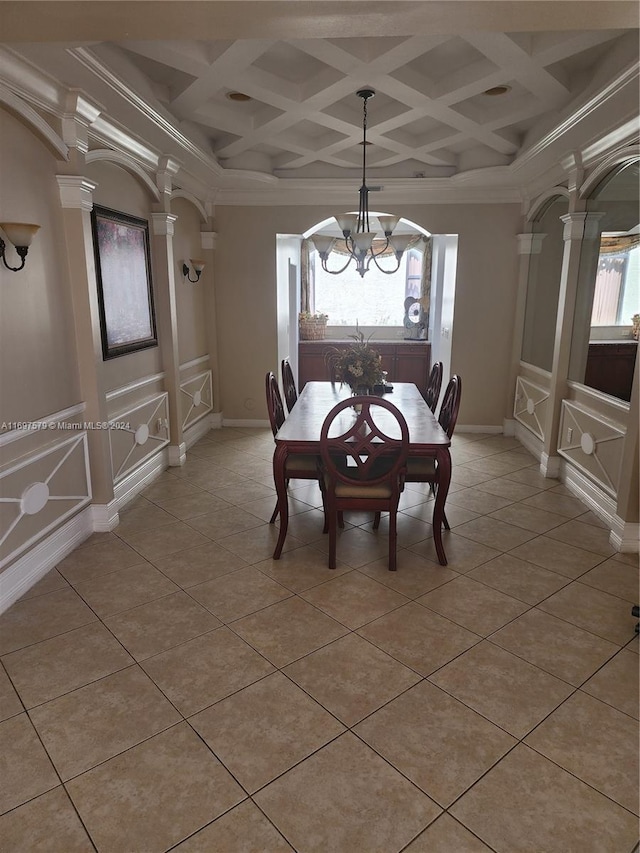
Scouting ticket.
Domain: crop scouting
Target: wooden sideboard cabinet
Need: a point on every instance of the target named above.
(404, 361)
(610, 367)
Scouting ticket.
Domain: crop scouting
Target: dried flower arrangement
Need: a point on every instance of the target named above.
(359, 366)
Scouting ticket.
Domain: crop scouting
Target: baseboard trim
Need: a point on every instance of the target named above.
(625, 536)
(105, 517)
(234, 422)
(131, 485)
(509, 426)
(177, 454)
(550, 465)
(596, 499)
(34, 565)
(194, 433)
(529, 441)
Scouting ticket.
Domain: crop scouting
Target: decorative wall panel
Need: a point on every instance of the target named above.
(40, 491)
(137, 434)
(592, 443)
(530, 406)
(196, 398)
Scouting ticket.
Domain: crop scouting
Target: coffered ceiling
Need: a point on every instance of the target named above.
(298, 67)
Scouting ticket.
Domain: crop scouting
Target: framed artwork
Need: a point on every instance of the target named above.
(123, 272)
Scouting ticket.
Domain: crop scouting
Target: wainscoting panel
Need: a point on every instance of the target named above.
(196, 398)
(138, 433)
(40, 491)
(530, 406)
(592, 443)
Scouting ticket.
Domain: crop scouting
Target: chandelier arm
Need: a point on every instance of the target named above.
(323, 262)
(382, 250)
(386, 272)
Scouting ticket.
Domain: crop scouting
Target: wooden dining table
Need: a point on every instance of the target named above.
(300, 433)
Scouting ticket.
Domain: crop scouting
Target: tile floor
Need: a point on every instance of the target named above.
(171, 687)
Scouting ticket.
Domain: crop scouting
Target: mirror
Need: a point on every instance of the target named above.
(543, 284)
(603, 349)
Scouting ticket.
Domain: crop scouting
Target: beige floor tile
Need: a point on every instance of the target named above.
(98, 539)
(168, 489)
(124, 589)
(216, 477)
(301, 568)
(237, 594)
(37, 619)
(142, 515)
(560, 504)
(258, 543)
(43, 825)
(306, 491)
(160, 625)
(305, 526)
(48, 669)
(590, 517)
(356, 546)
(473, 605)
(518, 578)
(247, 491)
(630, 559)
(188, 506)
(288, 630)
(555, 646)
(557, 556)
(426, 729)
(528, 517)
(351, 677)
(94, 723)
(466, 477)
(51, 582)
(455, 514)
(505, 488)
(372, 807)
(196, 674)
(353, 599)
(617, 683)
(595, 611)
(614, 577)
(496, 466)
(477, 501)
(533, 477)
(587, 536)
(415, 575)
(410, 529)
(10, 703)
(224, 522)
(507, 690)
(446, 835)
(594, 742)
(154, 795)
(263, 730)
(418, 638)
(244, 829)
(95, 560)
(462, 554)
(25, 768)
(528, 803)
(169, 539)
(263, 507)
(198, 565)
(495, 534)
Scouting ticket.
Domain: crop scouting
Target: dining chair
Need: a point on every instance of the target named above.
(298, 466)
(288, 384)
(364, 465)
(423, 469)
(432, 394)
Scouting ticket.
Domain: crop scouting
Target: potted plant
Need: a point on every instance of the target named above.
(359, 366)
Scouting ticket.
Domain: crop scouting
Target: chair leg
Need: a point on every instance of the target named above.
(445, 522)
(332, 538)
(272, 520)
(393, 541)
(376, 521)
(341, 519)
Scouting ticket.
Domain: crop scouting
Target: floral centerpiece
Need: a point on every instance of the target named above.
(359, 366)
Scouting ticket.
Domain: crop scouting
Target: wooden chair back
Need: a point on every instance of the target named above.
(432, 394)
(450, 405)
(274, 403)
(288, 384)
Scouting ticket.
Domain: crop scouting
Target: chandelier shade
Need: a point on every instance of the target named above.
(357, 240)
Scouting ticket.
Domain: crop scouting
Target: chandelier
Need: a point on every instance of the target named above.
(356, 231)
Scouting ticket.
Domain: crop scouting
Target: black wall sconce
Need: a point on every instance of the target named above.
(20, 234)
(197, 266)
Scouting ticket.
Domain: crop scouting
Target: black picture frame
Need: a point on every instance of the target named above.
(123, 275)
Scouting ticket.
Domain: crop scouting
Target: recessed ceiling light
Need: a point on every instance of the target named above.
(238, 96)
(497, 90)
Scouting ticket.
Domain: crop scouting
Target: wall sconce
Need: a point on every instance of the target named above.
(20, 234)
(197, 266)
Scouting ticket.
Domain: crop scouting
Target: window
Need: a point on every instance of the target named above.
(375, 300)
(617, 293)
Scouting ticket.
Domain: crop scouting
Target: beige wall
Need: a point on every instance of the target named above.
(245, 275)
(38, 374)
(190, 298)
